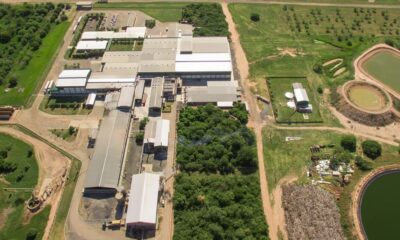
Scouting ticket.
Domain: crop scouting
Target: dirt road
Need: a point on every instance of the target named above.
(51, 164)
(275, 223)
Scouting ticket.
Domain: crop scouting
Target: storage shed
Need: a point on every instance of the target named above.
(126, 98)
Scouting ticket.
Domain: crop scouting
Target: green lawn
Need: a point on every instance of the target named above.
(284, 114)
(164, 12)
(30, 79)
(284, 158)
(64, 106)
(21, 154)
(385, 67)
(65, 134)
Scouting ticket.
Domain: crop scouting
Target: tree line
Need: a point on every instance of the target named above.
(22, 29)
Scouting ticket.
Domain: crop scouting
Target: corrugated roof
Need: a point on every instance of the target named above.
(70, 82)
(156, 93)
(187, 67)
(139, 89)
(107, 85)
(121, 56)
(91, 99)
(204, 57)
(211, 45)
(143, 199)
(186, 44)
(136, 32)
(126, 97)
(74, 73)
(162, 131)
(210, 94)
(105, 166)
(160, 66)
(301, 95)
(92, 45)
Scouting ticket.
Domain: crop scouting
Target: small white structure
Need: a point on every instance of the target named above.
(72, 81)
(143, 201)
(289, 95)
(301, 98)
(131, 33)
(91, 45)
(162, 132)
(91, 99)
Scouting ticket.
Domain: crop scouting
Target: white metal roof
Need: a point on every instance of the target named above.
(301, 95)
(182, 67)
(111, 79)
(91, 99)
(92, 45)
(225, 104)
(70, 82)
(135, 32)
(126, 97)
(74, 73)
(143, 198)
(162, 131)
(204, 57)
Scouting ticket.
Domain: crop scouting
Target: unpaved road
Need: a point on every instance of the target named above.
(51, 164)
(274, 221)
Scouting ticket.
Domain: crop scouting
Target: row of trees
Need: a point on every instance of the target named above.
(208, 19)
(22, 28)
(211, 140)
(212, 200)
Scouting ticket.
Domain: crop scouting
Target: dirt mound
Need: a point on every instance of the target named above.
(311, 213)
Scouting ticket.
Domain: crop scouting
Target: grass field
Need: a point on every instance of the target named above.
(385, 67)
(284, 114)
(64, 106)
(285, 158)
(164, 12)
(21, 154)
(33, 75)
(367, 98)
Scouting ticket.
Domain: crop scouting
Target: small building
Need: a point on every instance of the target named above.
(155, 103)
(169, 89)
(71, 82)
(149, 137)
(84, 5)
(301, 98)
(143, 202)
(126, 98)
(91, 99)
(162, 134)
(87, 46)
(220, 93)
(139, 90)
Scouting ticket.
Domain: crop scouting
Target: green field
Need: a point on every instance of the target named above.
(291, 158)
(367, 98)
(385, 67)
(284, 114)
(33, 75)
(380, 208)
(164, 12)
(25, 176)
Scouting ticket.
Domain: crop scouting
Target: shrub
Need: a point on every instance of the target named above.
(362, 164)
(143, 123)
(372, 149)
(150, 23)
(255, 17)
(139, 138)
(317, 68)
(32, 233)
(349, 143)
(320, 90)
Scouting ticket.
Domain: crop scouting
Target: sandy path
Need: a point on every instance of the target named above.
(274, 221)
(51, 164)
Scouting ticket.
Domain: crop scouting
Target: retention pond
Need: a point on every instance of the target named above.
(380, 207)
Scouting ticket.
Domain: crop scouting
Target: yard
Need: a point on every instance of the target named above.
(126, 45)
(164, 12)
(33, 75)
(68, 135)
(64, 106)
(25, 175)
(278, 86)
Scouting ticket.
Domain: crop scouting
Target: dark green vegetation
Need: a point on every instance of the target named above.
(162, 11)
(208, 19)
(380, 208)
(283, 114)
(211, 140)
(372, 149)
(349, 143)
(23, 174)
(64, 106)
(126, 45)
(29, 37)
(217, 193)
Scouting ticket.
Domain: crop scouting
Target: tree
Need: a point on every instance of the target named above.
(320, 90)
(255, 17)
(362, 164)
(317, 68)
(139, 138)
(349, 143)
(71, 130)
(143, 123)
(13, 82)
(32, 233)
(371, 148)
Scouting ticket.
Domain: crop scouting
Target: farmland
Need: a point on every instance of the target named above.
(217, 193)
(23, 173)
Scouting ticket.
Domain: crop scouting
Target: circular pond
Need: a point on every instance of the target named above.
(367, 97)
(380, 207)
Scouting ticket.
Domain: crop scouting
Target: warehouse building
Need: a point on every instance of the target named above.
(125, 100)
(222, 94)
(71, 82)
(156, 136)
(130, 33)
(143, 202)
(155, 102)
(87, 46)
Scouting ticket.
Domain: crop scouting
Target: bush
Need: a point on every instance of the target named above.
(372, 149)
(320, 90)
(139, 138)
(255, 17)
(150, 23)
(362, 164)
(317, 68)
(143, 123)
(349, 143)
(32, 233)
